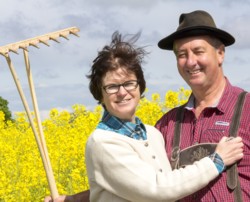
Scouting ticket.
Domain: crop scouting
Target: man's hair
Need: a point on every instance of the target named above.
(216, 43)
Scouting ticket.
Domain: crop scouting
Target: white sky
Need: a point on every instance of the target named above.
(59, 70)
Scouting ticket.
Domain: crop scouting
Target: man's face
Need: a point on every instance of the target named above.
(198, 62)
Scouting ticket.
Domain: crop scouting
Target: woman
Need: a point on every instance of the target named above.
(126, 159)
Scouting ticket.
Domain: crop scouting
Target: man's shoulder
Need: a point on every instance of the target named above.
(236, 91)
(247, 96)
(168, 116)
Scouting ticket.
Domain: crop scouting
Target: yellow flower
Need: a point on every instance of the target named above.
(22, 175)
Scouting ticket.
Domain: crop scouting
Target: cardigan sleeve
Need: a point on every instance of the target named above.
(118, 168)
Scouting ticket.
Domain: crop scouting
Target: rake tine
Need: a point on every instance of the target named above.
(14, 51)
(74, 33)
(34, 45)
(44, 42)
(24, 48)
(64, 36)
(54, 39)
(4, 54)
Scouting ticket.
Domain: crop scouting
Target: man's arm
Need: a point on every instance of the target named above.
(80, 197)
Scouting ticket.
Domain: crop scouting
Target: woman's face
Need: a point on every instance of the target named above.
(123, 103)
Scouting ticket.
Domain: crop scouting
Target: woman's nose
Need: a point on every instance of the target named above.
(122, 91)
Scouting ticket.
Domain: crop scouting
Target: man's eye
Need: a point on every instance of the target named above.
(199, 52)
(181, 55)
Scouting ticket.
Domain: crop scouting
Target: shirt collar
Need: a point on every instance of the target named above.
(219, 104)
(136, 131)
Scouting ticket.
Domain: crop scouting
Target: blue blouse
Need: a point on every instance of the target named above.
(136, 131)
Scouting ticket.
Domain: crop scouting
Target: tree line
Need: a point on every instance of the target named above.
(5, 109)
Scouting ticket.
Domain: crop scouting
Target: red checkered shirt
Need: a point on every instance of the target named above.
(212, 124)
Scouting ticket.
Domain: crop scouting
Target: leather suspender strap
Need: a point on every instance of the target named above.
(176, 140)
(232, 173)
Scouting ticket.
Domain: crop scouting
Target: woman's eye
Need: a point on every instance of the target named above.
(112, 87)
(128, 84)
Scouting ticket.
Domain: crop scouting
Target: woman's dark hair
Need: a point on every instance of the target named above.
(119, 54)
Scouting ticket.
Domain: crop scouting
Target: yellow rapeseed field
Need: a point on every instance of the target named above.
(22, 176)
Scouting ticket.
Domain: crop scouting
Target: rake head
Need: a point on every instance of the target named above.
(13, 47)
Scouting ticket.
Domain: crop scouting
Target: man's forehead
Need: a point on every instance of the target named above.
(194, 40)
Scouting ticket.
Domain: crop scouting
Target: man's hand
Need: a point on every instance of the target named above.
(230, 150)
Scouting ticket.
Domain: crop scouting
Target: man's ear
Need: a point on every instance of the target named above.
(221, 54)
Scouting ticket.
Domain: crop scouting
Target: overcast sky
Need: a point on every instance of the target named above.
(59, 70)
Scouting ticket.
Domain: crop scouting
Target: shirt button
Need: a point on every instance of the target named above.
(153, 157)
(160, 170)
(146, 144)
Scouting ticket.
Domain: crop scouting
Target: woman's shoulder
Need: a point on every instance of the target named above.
(99, 134)
(152, 131)
(151, 128)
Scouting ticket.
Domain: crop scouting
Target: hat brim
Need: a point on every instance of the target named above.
(167, 42)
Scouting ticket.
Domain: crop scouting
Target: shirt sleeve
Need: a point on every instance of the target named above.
(218, 162)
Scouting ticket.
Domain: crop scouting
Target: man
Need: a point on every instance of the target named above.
(199, 47)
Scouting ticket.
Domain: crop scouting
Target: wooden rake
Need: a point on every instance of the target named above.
(38, 132)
